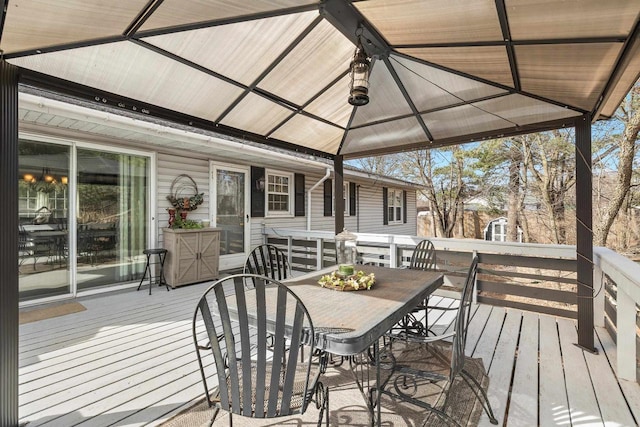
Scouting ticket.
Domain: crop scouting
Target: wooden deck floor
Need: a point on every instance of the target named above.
(129, 360)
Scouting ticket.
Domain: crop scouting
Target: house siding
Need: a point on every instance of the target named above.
(169, 166)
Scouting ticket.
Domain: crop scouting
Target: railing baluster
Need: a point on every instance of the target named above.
(626, 342)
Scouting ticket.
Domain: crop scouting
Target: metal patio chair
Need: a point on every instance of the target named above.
(26, 247)
(268, 260)
(423, 258)
(449, 350)
(232, 327)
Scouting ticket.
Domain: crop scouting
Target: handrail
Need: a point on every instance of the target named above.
(624, 273)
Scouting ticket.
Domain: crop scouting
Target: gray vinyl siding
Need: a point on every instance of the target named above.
(369, 218)
(369, 208)
(169, 167)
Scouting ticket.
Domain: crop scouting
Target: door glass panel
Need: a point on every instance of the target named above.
(230, 214)
(112, 217)
(43, 206)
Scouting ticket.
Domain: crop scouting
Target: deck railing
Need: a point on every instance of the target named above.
(534, 277)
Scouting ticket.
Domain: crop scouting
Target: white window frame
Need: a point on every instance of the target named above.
(289, 211)
(391, 203)
(497, 225)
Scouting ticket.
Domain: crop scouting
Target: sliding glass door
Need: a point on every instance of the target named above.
(43, 209)
(84, 218)
(112, 217)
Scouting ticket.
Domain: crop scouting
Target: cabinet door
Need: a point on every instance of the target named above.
(187, 262)
(209, 250)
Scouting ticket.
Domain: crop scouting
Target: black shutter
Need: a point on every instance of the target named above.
(299, 194)
(352, 198)
(257, 194)
(328, 198)
(404, 206)
(385, 206)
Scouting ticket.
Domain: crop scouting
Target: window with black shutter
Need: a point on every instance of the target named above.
(328, 198)
(299, 194)
(352, 198)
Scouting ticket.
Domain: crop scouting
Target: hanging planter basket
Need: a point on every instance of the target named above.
(184, 194)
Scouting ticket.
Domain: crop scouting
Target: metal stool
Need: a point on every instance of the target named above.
(162, 254)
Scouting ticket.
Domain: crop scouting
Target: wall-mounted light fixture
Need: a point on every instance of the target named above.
(359, 73)
(260, 183)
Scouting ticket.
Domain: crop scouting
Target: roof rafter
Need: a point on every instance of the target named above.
(226, 21)
(633, 42)
(490, 83)
(432, 110)
(506, 36)
(578, 40)
(142, 17)
(306, 104)
(407, 98)
(480, 136)
(147, 111)
(274, 64)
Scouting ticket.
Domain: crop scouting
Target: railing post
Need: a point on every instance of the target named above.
(626, 339)
(598, 304)
(9, 244)
(393, 255)
(319, 253)
(584, 233)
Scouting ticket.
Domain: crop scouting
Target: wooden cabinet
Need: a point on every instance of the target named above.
(193, 255)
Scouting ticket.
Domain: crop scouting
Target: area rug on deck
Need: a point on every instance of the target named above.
(347, 407)
(28, 316)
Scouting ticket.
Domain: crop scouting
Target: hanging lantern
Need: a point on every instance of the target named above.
(359, 87)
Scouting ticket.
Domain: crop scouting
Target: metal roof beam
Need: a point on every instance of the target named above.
(142, 17)
(306, 104)
(225, 21)
(489, 82)
(274, 64)
(626, 55)
(506, 36)
(579, 40)
(432, 110)
(408, 99)
(100, 97)
(480, 136)
(344, 17)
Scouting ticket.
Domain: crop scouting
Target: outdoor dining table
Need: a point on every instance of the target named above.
(352, 323)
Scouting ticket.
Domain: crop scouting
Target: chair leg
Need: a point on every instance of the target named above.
(215, 415)
(144, 274)
(322, 403)
(477, 389)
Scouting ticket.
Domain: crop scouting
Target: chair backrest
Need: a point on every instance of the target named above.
(257, 337)
(463, 318)
(269, 261)
(423, 257)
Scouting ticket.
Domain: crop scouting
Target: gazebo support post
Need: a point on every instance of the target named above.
(338, 204)
(584, 238)
(9, 245)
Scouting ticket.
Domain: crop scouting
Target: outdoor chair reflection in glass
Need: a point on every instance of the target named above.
(256, 377)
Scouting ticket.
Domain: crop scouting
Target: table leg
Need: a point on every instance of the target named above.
(371, 388)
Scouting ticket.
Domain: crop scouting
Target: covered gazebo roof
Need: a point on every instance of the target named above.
(277, 71)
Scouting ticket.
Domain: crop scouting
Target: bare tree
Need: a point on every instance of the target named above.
(552, 167)
(629, 115)
(444, 183)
